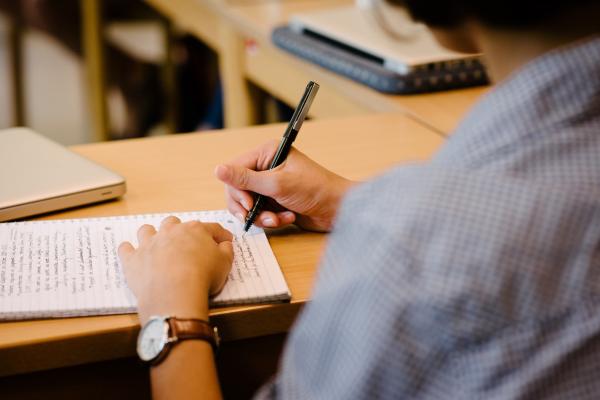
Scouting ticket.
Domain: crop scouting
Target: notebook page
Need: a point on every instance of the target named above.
(70, 267)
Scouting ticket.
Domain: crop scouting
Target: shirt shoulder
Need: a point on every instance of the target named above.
(484, 233)
(434, 272)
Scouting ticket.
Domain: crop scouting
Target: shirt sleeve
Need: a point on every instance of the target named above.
(367, 333)
(437, 285)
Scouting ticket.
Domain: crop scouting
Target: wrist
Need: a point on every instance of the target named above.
(160, 335)
(196, 310)
(340, 190)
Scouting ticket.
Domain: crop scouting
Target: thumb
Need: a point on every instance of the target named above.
(245, 179)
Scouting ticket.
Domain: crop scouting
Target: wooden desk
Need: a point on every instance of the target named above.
(175, 173)
(246, 52)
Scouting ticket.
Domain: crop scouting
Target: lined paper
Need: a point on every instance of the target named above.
(68, 268)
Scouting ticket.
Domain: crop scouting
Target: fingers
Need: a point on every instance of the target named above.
(270, 219)
(246, 179)
(286, 218)
(125, 251)
(267, 219)
(238, 211)
(145, 233)
(169, 221)
(236, 208)
(242, 197)
(218, 233)
(241, 177)
(278, 218)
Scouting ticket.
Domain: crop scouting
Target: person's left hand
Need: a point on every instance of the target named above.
(174, 270)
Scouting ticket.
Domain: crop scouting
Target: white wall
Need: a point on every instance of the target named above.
(56, 102)
(54, 98)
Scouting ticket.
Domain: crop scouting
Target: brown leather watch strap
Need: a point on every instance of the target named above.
(184, 329)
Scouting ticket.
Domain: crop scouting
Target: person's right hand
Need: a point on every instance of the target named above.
(301, 191)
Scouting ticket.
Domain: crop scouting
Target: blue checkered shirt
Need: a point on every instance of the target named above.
(476, 275)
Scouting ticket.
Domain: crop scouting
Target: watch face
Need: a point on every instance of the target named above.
(153, 338)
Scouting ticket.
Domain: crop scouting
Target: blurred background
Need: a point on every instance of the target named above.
(83, 71)
(59, 78)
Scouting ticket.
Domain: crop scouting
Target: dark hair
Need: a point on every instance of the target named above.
(499, 13)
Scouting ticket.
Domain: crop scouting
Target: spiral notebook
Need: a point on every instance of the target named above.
(67, 268)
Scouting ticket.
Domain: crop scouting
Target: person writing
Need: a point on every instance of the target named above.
(475, 275)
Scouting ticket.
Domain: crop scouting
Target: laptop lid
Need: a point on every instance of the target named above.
(38, 175)
(359, 29)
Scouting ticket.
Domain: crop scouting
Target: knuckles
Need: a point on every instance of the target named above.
(196, 225)
(145, 227)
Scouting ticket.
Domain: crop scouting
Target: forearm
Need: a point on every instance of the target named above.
(189, 371)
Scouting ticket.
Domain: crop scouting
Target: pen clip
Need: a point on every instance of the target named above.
(309, 95)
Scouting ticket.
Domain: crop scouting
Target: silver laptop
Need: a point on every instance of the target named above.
(38, 175)
(361, 31)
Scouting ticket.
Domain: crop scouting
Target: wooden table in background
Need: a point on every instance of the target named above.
(205, 19)
(240, 32)
(175, 173)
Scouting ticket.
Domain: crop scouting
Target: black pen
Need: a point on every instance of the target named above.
(286, 143)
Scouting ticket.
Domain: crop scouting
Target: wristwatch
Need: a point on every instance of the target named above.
(160, 333)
